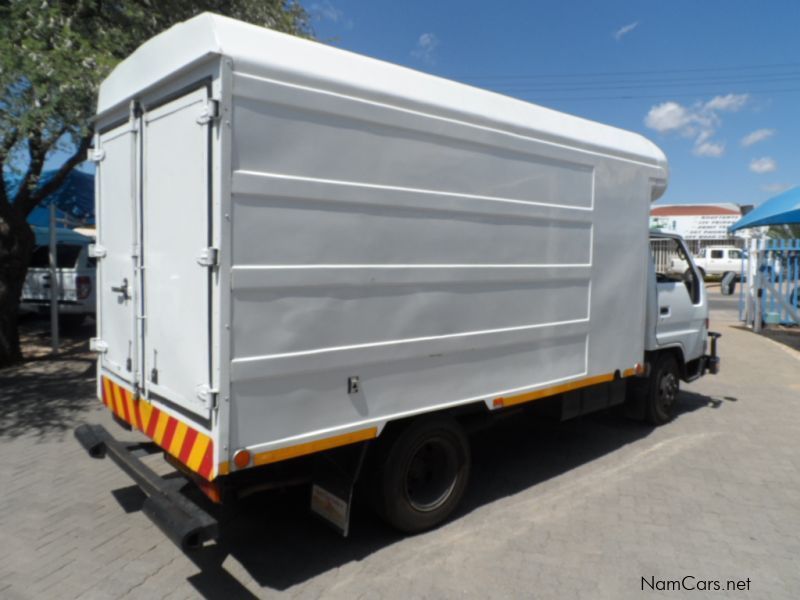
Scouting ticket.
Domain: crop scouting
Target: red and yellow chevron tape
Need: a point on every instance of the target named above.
(191, 447)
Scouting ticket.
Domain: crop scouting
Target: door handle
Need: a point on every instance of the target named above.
(121, 289)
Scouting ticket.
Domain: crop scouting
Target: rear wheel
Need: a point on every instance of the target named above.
(424, 475)
(662, 392)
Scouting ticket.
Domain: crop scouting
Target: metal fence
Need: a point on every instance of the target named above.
(696, 245)
(663, 252)
(771, 283)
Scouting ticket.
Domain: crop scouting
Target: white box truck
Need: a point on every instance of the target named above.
(315, 266)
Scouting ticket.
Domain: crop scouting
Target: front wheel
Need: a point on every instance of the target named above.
(424, 475)
(663, 388)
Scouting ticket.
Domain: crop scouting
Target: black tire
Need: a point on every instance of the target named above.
(423, 475)
(662, 390)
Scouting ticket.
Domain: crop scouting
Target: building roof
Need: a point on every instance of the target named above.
(261, 52)
(685, 210)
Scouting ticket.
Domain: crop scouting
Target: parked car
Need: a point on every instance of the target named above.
(76, 277)
(713, 260)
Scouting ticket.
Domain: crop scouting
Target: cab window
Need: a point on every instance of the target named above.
(716, 254)
(673, 265)
(735, 254)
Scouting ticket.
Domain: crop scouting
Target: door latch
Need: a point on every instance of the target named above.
(353, 385)
(122, 289)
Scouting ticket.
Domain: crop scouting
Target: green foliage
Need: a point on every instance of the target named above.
(784, 232)
(54, 54)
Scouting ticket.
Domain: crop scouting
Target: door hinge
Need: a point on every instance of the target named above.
(208, 257)
(209, 113)
(97, 251)
(96, 154)
(207, 395)
(98, 345)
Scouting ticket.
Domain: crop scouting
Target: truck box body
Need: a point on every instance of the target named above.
(306, 244)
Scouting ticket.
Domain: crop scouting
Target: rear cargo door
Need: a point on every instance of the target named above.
(176, 334)
(116, 225)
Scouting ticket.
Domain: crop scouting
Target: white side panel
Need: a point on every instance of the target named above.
(175, 232)
(438, 262)
(115, 179)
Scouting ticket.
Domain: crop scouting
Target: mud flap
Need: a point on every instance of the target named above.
(333, 482)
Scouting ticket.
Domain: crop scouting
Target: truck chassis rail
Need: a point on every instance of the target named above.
(183, 521)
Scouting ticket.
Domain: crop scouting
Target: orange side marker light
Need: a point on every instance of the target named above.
(241, 458)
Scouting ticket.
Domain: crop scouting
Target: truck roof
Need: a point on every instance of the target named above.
(263, 52)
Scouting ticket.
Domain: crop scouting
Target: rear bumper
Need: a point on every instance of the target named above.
(183, 521)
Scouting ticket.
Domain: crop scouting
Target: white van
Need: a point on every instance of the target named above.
(315, 266)
(75, 274)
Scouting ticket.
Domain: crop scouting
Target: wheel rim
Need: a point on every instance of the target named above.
(431, 474)
(667, 392)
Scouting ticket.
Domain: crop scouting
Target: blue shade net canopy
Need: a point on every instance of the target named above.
(783, 209)
(74, 199)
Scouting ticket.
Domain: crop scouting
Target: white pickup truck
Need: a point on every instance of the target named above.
(75, 274)
(712, 260)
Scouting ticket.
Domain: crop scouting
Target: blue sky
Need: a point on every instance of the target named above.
(716, 84)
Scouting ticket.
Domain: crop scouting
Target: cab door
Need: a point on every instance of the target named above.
(681, 306)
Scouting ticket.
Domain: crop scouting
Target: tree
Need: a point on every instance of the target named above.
(784, 232)
(53, 56)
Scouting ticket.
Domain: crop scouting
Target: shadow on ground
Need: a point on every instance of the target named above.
(280, 544)
(47, 394)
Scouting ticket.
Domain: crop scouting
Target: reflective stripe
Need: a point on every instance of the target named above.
(271, 456)
(191, 447)
(558, 389)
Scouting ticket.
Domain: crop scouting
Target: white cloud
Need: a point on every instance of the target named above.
(704, 136)
(712, 149)
(699, 121)
(625, 29)
(425, 49)
(777, 188)
(730, 103)
(326, 11)
(763, 165)
(759, 135)
(668, 116)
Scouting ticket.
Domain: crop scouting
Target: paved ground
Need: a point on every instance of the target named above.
(583, 510)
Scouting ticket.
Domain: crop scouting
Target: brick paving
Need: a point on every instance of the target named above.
(582, 510)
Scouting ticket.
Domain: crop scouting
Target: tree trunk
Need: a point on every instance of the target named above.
(16, 245)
